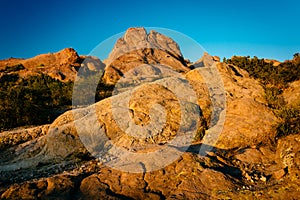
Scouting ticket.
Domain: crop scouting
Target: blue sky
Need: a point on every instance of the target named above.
(269, 29)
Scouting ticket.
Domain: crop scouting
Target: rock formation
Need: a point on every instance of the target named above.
(91, 152)
(137, 48)
(62, 65)
(244, 96)
(292, 94)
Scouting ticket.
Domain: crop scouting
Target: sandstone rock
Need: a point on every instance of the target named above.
(91, 64)
(138, 120)
(292, 94)
(279, 174)
(22, 191)
(216, 58)
(92, 188)
(275, 62)
(137, 48)
(119, 131)
(200, 87)
(57, 187)
(189, 179)
(244, 125)
(288, 152)
(50, 148)
(183, 178)
(259, 156)
(250, 155)
(62, 65)
(15, 137)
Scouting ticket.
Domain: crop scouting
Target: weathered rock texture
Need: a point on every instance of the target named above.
(62, 65)
(292, 94)
(55, 162)
(137, 48)
(248, 119)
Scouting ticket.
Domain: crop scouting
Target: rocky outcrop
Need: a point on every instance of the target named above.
(137, 48)
(15, 137)
(248, 120)
(292, 94)
(152, 138)
(288, 152)
(184, 179)
(62, 65)
(95, 129)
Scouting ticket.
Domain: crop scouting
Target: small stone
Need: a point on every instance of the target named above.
(263, 178)
(221, 159)
(279, 174)
(248, 177)
(210, 153)
(216, 58)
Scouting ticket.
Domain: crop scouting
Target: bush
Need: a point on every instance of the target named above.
(290, 121)
(34, 100)
(39, 99)
(273, 97)
(266, 72)
(14, 68)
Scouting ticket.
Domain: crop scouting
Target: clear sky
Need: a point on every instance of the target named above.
(269, 29)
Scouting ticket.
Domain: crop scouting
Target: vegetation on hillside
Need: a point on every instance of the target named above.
(87, 92)
(32, 100)
(274, 80)
(266, 72)
(39, 99)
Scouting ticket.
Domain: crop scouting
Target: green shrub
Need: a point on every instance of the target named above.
(39, 99)
(266, 72)
(290, 121)
(14, 68)
(273, 97)
(32, 101)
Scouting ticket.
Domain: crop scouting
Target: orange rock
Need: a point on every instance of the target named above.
(279, 174)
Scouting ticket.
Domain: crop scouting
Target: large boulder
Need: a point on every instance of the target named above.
(19, 136)
(248, 119)
(292, 94)
(137, 48)
(288, 152)
(183, 179)
(141, 119)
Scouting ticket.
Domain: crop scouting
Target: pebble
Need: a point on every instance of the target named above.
(263, 178)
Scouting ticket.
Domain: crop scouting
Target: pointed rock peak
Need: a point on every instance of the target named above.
(137, 48)
(135, 35)
(68, 51)
(139, 39)
(205, 61)
(207, 56)
(165, 43)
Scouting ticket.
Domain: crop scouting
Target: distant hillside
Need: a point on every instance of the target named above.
(37, 90)
(62, 65)
(269, 71)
